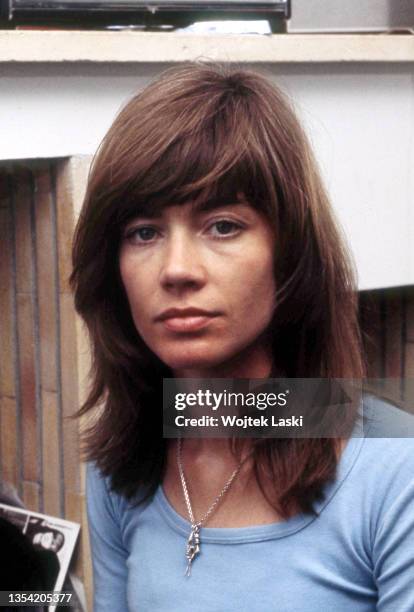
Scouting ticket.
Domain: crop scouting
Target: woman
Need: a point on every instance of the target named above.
(206, 247)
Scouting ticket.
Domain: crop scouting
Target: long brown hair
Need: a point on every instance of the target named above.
(206, 133)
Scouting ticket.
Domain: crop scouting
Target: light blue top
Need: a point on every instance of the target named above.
(356, 556)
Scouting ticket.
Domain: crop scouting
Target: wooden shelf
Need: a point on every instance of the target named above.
(142, 47)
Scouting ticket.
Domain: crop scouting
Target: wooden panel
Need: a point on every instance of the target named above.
(393, 333)
(7, 370)
(70, 187)
(410, 313)
(23, 230)
(25, 322)
(409, 348)
(9, 437)
(31, 495)
(370, 317)
(4, 189)
(51, 453)
(85, 544)
(9, 441)
(409, 360)
(73, 506)
(409, 376)
(27, 386)
(46, 280)
(70, 402)
(43, 264)
(65, 225)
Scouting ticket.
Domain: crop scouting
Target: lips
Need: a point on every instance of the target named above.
(186, 319)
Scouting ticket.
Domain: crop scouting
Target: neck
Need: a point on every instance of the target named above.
(253, 362)
(214, 452)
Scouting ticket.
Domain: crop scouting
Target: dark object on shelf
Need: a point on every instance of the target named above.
(100, 13)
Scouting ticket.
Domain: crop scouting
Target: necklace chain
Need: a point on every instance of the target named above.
(193, 543)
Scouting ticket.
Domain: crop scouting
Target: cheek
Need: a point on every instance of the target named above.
(257, 289)
(137, 289)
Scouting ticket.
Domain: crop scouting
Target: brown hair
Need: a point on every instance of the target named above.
(205, 133)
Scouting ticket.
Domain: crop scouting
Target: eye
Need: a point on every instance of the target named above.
(138, 235)
(224, 227)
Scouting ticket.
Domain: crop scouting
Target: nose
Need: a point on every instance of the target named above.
(182, 266)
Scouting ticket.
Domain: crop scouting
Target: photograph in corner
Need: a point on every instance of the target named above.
(53, 539)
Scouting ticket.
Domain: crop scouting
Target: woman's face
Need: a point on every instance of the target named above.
(199, 283)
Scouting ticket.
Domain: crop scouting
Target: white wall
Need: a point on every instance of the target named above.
(359, 117)
(350, 15)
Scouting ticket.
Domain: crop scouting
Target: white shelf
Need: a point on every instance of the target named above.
(139, 47)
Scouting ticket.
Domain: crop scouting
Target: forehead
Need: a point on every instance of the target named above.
(190, 208)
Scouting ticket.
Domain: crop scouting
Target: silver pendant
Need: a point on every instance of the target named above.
(193, 547)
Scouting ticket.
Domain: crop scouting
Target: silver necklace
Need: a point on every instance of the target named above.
(194, 542)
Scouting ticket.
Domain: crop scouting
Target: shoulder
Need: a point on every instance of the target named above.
(382, 474)
(96, 482)
(377, 465)
(383, 419)
(385, 466)
(388, 446)
(102, 500)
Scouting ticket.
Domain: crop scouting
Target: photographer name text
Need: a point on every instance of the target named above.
(240, 422)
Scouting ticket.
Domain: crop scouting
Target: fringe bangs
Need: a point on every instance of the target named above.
(221, 161)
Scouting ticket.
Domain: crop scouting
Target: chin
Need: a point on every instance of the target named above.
(194, 358)
(190, 362)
